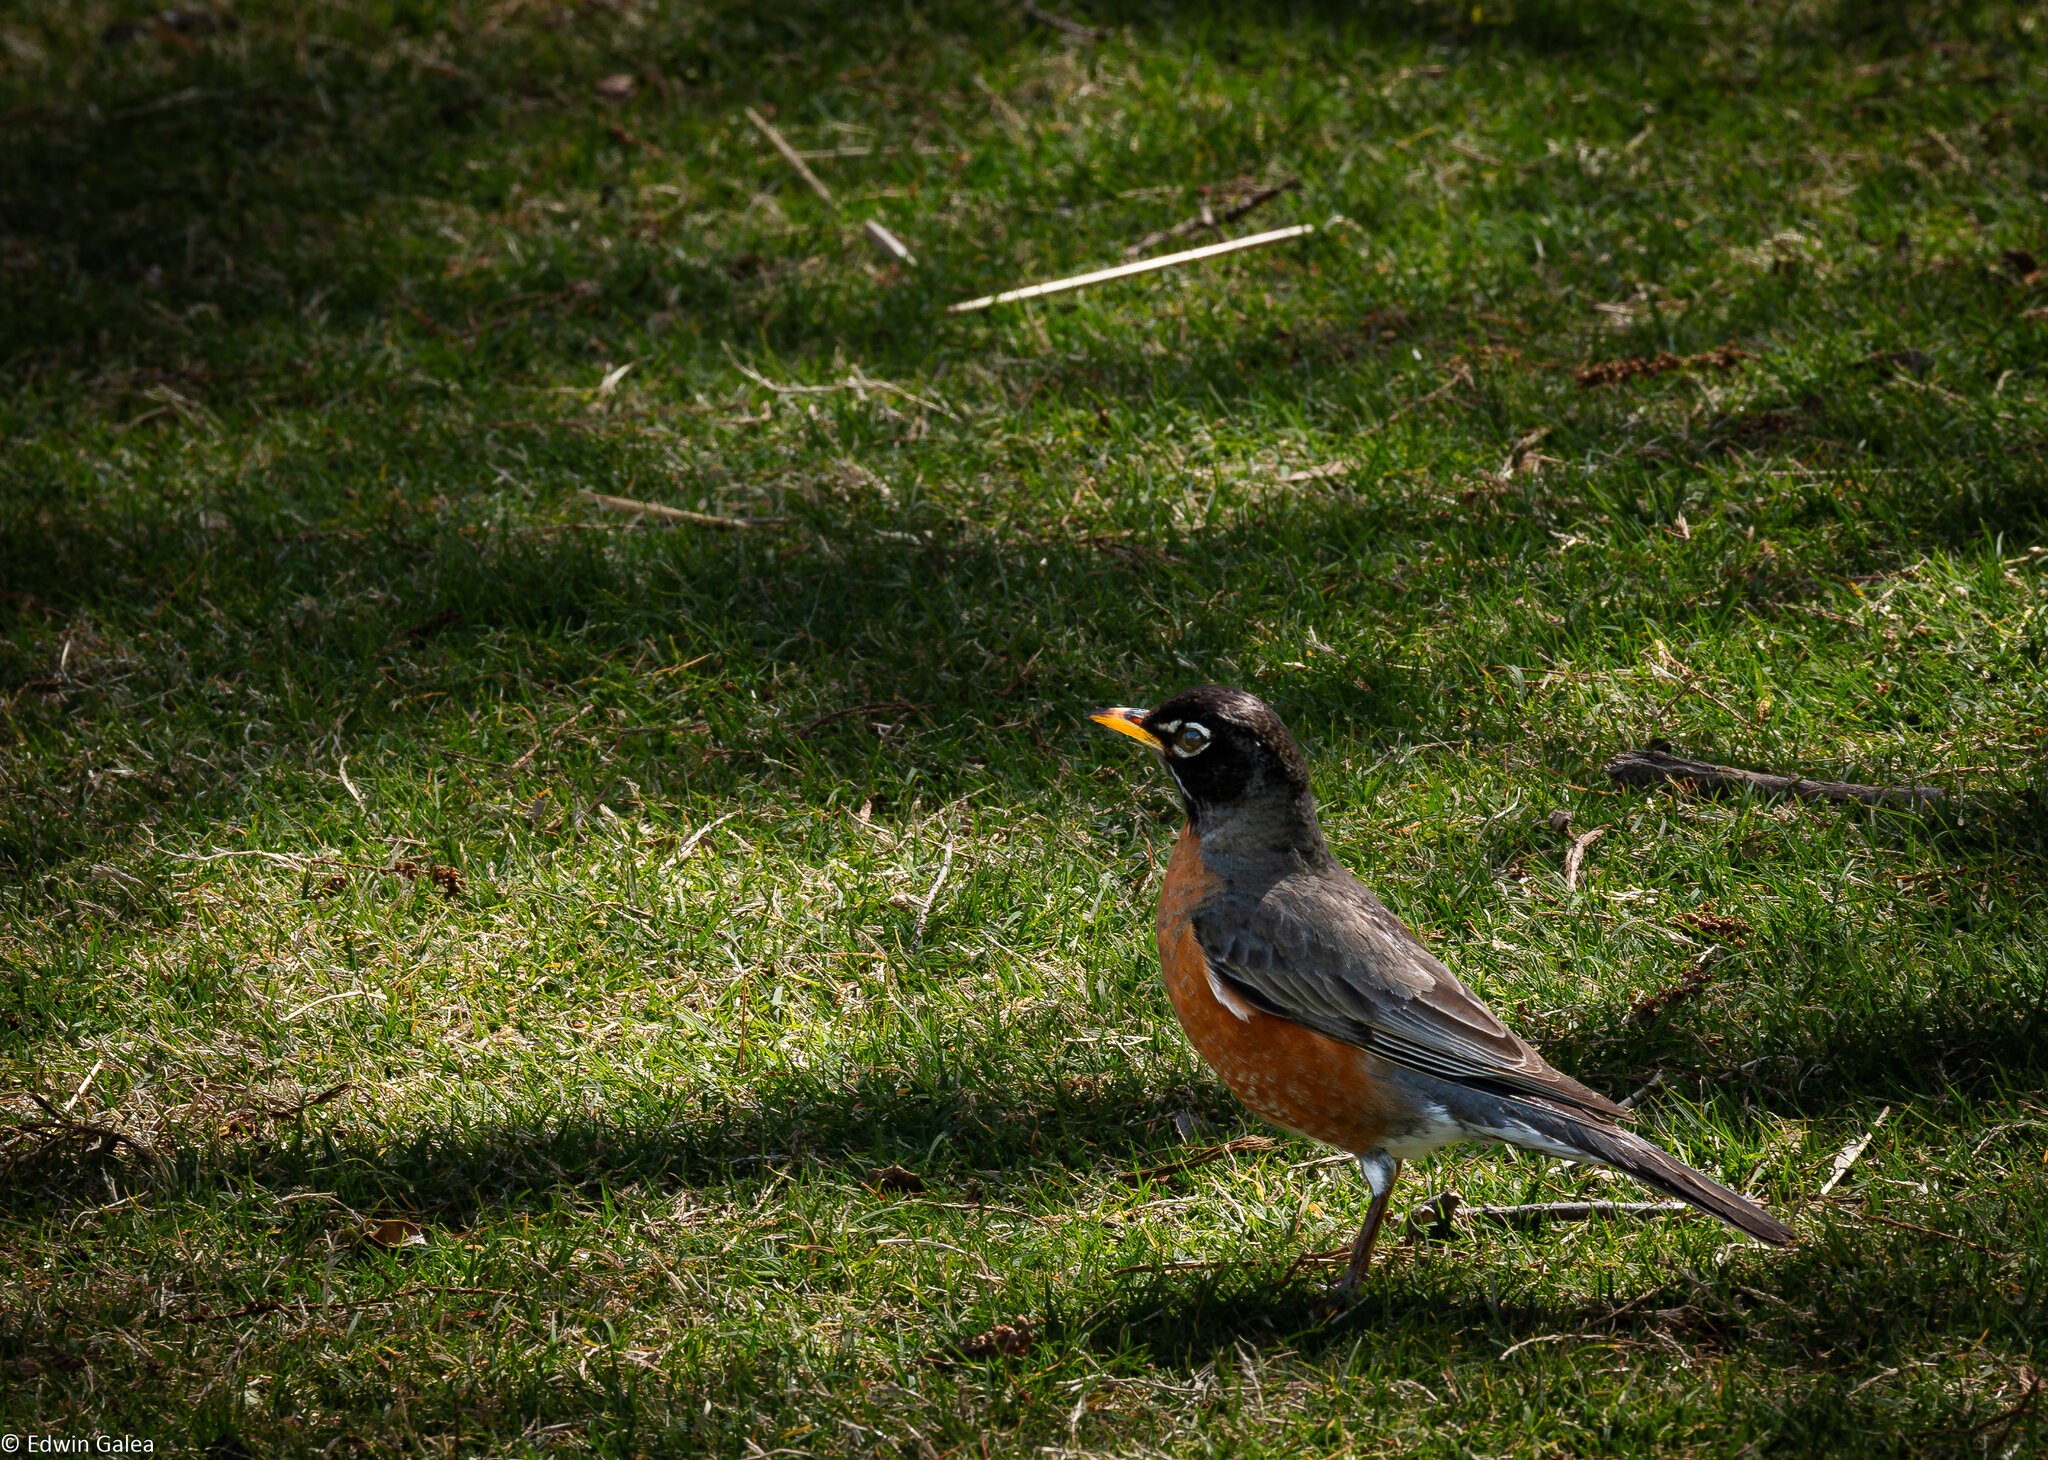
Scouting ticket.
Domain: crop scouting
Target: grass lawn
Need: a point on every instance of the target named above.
(479, 972)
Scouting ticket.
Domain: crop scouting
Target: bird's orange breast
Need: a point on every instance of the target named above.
(1301, 1080)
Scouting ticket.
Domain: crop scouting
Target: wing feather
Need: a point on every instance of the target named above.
(1321, 950)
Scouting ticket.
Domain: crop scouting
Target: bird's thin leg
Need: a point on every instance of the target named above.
(1381, 1172)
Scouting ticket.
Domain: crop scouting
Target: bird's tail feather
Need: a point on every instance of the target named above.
(1661, 1171)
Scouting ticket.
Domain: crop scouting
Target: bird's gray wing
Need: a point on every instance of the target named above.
(1321, 950)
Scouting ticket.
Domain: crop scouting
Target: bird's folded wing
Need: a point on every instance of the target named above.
(1327, 955)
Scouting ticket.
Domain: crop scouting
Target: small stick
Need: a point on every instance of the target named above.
(888, 242)
(1006, 113)
(661, 513)
(1244, 205)
(1124, 271)
(924, 904)
(874, 707)
(1061, 23)
(105, 1133)
(83, 1086)
(332, 1092)
(1646, 768)
(1575, 854)
(1199, 1158)
(858, 381)
(1930, 1232)
(789, 155)
(293, 1305)
(1460, 375)
(1853, 1152)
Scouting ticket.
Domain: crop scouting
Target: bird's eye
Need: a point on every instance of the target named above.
(1193, 739)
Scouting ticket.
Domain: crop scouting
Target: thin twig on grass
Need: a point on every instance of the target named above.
(294, 1305)
(1932, 1232)
(1668, 666)
(1644, 769)
(105, 1134)
(789, 154)
(877, 707)
(1575, 854)
(879, 235)
(1198, 1158)
(659, 512)
(924, 904)
(1461, 374)
(285, 1112)
(1063, 24)
(84, 1085)
(858, 381)
(1125, 271)
(1208, 218)
(1007, 114)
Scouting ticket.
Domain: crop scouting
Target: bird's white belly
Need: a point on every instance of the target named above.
(1432, 1127)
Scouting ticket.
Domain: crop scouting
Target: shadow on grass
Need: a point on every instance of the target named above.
(965, 1113)
(248, 175)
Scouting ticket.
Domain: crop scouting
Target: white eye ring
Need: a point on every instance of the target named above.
(1191, 740)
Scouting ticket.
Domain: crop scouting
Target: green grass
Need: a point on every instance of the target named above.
(302, 331)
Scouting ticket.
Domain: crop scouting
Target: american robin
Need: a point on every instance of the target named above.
(1321, 1011)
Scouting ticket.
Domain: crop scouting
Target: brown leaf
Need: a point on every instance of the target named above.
(897, 1178)
(394, 1233)
(618, 89)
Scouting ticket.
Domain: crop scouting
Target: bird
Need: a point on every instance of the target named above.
(1322, 1011)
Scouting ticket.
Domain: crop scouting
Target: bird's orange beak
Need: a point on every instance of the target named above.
(1129, 722)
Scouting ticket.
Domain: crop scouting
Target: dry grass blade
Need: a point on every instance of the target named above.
(857, 381)
(285, 1112)
(879, 235)
(1063, 24)
(658, 512)
(1850, 1154)
(789, 154)
(1196, 1159)
(874, 707)
(1916, 1228)
(1125, 271)
(294, 1305)
(105, 1135)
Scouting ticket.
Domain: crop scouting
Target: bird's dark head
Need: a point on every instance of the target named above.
(1229, 755)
